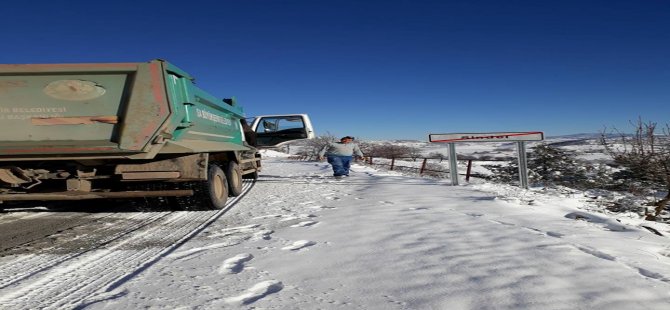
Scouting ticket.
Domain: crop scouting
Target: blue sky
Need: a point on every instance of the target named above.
(383, 69)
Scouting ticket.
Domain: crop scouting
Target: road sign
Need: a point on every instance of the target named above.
(487, 137)
(520, 137)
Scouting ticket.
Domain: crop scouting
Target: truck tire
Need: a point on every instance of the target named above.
(234, 176)
(213, 193)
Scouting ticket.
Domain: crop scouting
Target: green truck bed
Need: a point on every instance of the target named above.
(117, 109)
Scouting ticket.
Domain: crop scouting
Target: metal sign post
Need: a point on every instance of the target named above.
(453, 168)
(520, 137)
(523, 164)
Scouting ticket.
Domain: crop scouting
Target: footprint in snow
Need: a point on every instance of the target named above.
(502, 223)
(652, 275)
(300, 244)
(234, 231)
(395, 300)
(296, 217)
(322, 207)
(263, 234)
(256, 292)
(596, 253)
(235, 264)
(195, 252)
(554, 234)
(266, 216)
(534, 230)
(304, 224)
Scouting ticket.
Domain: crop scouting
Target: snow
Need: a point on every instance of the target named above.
(301, 239)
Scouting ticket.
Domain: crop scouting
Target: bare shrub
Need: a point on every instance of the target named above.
(388, 150)
(438, 155)
(644, 157)
(435, 170)
(314, 146)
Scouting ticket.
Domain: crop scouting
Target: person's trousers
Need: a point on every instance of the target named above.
(340, 164)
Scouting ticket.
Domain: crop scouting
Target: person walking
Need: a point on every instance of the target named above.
(340, 154)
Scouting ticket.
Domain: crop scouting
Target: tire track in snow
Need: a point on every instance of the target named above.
(69, 282)
(19, 233)
(22, 267)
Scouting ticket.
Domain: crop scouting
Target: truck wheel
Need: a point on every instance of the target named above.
(234, 176)
(213, 193)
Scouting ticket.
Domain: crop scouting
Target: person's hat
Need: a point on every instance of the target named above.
(347, 137)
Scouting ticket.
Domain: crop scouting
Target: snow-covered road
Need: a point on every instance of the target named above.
(78, 263)
(378, 240)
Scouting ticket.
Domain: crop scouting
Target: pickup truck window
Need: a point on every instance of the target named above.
(272, 130)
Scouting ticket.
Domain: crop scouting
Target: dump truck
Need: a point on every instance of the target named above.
(128, 130)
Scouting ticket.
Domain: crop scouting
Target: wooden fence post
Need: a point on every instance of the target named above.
(467, 174)
(423, 166)
(392, 163)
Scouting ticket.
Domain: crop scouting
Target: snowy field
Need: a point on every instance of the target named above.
(380, 240)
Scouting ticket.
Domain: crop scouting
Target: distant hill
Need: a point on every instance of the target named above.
(577, 136)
